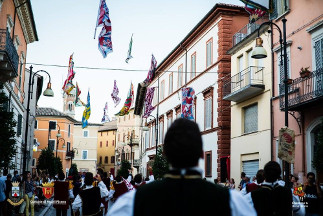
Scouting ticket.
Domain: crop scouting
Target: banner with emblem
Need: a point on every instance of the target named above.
(16, 195)
(286, 148)
(48, 189)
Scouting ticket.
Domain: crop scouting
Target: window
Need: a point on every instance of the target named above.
(112, 142)
(240, 63)
(250, 60)
(193, 65)
(107, 144)
(112, 159)
(208, 164)
(84, 154)
(19, 125)
(279, 8)
(281, 69)
(69, 130)
(21, 67)
(100, 160)
(162, 90)
(52, 125)
(318, 52)
(208, 108)
(153, 133)
(70, 106)
(170, 84)
(161, 132)
(51, 144)
(100, 144)
(85, 133)
(180, 76)
(33, 163)
(146, 140)
(209, 52)
(16, 42)
(9, 23)
(106, 159)
(68, 146)
(251, 118)
(169, 119)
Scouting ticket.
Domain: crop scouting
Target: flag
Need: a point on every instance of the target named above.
(151, 72)
(114, 94)
(254, 13)
(78, 101)
(68, 85)
(129, 50)
(105, 117)
(103, 14)
(148, 100)
(188, 95)
(105, 41)
(127, 104)
(260, 4)
(86, 112)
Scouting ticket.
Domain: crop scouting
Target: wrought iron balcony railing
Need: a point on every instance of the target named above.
(244, 85)
(303, 91)
(246, 31)
(8, 56)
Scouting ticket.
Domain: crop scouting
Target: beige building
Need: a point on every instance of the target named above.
(128, 140)
(249, 90)
(85, 147)
(106, 146)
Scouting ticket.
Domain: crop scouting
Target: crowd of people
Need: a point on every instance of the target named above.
(182, 191)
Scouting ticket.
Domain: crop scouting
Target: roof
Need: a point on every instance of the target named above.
(47, 111)
(112, 125)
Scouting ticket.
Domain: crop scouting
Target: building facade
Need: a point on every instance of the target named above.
(199, 61)
(17, 30)
(304, 36)
(49, 123)
(85, 147)
(106, 146)
(249, 88)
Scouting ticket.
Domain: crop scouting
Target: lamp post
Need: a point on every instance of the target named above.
(58, 139)
(48, 92)
(259, 53)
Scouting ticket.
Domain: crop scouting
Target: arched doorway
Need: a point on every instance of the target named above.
(311, 143)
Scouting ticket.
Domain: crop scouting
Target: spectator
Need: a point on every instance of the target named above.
(61, 194)
(313, 194)
(243, 181)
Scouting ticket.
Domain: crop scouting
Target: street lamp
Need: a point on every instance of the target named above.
(259, 52)
(48, 92)
(57, 142)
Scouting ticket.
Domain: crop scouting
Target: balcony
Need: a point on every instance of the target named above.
(244, 85)
(303, 92)
(8, 57)
(246, 31)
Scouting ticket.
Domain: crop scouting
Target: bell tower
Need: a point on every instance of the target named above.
(68, 103)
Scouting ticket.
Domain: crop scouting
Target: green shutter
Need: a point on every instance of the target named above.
(274, 13)
(19, 125)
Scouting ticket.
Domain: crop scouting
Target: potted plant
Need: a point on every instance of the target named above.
(305, 72)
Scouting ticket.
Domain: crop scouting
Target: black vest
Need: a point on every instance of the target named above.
(91, 201)
(179, 196)
(270, 201)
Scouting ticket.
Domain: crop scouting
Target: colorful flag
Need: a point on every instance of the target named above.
(103, 14)
(254, 13)
(68, 85)
(86, 112)
(188, 95)
(78, 101)
(151, 72)
(127, 104)
(114, 94)
(105, 117)
(105, 41)
(260, 4)
(129, 50)
(148, 101)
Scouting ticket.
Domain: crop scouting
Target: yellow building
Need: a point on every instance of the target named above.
(106, 146)
(249, 88)
(85, 147)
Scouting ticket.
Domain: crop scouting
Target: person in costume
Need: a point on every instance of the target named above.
(62, 194)
(182, 190)
(138, 181)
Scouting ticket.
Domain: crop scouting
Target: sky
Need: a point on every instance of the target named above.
(67, 26)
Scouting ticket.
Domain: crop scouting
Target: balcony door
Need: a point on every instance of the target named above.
(318, 67)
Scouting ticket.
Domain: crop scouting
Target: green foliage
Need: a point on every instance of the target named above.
(48, 162)
(318, 154)
(124, 169)
(7, 134)
(160, 166)
(73, 170)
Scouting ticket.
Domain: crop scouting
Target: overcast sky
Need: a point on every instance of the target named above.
(67, 26)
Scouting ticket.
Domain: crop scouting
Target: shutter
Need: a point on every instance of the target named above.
(274, 13)
(250, 167)
(318, 53)
(19, 125)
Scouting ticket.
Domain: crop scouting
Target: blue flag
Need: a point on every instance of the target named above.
(86, 112)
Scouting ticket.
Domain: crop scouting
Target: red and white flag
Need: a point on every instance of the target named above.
(148, 101)
(68, 85)
(152, 69)
(115, 93)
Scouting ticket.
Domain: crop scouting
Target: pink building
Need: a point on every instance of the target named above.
(304, 31)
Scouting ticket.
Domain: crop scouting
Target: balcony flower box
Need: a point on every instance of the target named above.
(304, 72)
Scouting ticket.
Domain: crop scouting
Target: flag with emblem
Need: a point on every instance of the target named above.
(86, 112)
(188, 95)
(115, 93)
(152, 69)
(148, 101)
(127, 104)
(68, 85)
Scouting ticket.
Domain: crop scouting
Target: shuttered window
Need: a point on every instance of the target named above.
(208, 113)
(19, 125)
(209, 51)
(251, 118)
(250, 167)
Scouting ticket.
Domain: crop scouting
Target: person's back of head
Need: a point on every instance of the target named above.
(260, 176)
(100, 171)
(272, 171)
(61, 175)
(9, 176)
(118, 178)
(243, 174)
(105, 175)
(138, 178)
(183, 144)
(88, 180)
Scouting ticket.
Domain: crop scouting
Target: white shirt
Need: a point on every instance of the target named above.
(124, 205)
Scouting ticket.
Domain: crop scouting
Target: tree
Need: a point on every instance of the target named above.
(318, 154)
(124, 169)
(160, 166)
(73, 170)
(48, 162)
(8, 148)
